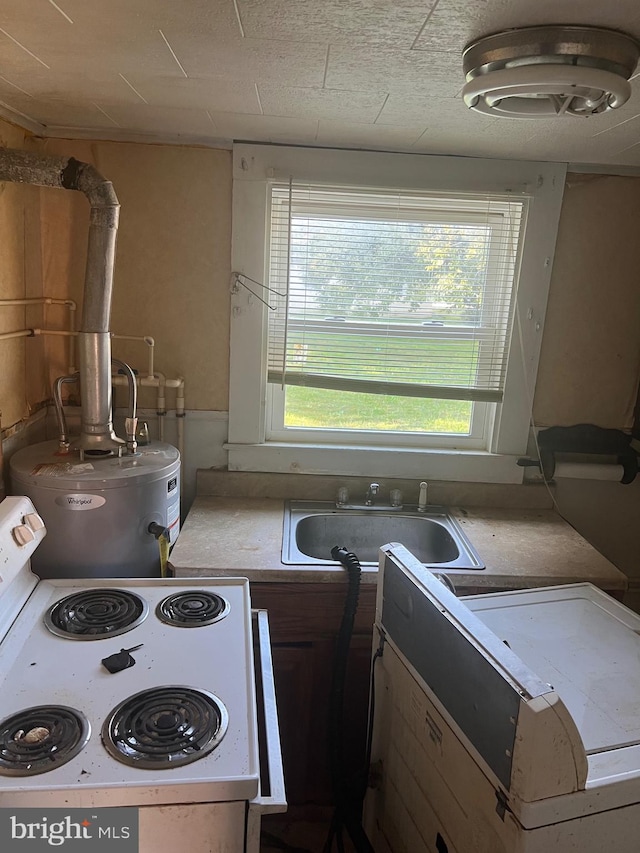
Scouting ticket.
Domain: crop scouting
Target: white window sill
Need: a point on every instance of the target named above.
(470, 466)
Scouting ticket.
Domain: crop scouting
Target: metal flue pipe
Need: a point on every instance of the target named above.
(94, 340)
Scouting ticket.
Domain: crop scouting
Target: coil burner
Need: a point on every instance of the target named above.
(41, 738)
(192, 608)
(165, 727)
(94, 614)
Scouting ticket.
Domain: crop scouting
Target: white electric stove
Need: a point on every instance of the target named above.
(133, 693)
(505, 722)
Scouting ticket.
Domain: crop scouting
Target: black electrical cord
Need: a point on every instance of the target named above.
(347, 800)
(372, 706)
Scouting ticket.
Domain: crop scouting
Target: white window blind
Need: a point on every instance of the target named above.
(386, 293)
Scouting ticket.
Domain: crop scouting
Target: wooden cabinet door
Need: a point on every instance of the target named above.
(304, 621)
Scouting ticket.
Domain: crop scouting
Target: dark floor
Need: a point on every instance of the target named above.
(296, 834)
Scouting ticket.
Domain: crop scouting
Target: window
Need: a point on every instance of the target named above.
(392, 313)
(387, 311)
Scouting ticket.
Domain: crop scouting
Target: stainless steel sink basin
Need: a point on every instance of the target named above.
(311, 529)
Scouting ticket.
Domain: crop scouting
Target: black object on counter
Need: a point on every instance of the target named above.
(121, 660)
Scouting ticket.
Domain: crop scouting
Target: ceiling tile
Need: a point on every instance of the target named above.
(14, 61)
(146, 118)
(602, 147)
(629, 157)
(474, 147)
(386, 70)
(209, 93)
(58, 112)
(352, 135)
(111, 45)
(376, 22)
(39, 32)
(477, 140)
(43, 85)
(420, 108)
(258, 60)
(339, 72)
(337, 104)
(264, 128)
(454, 23)
(22, 104)
(128, 20)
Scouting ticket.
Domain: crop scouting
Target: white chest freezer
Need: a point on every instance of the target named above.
(503, 723)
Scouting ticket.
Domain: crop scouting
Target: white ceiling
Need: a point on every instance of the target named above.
(377, 74)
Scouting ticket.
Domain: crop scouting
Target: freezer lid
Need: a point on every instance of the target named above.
(584, 643)
(512, 720)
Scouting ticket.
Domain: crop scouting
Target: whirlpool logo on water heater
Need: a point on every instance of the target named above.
(80, 502)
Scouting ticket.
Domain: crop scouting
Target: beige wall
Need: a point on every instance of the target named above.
(22, 373)
(591, 350)
(590, 360)
(172, 277)
(172, 270)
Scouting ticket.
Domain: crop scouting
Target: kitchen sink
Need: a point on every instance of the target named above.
(311, 529)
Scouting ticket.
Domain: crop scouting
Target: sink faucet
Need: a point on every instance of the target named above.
(422, 498)
(372, 491)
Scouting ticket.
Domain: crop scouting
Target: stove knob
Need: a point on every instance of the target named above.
(33, 520)
(23, 535)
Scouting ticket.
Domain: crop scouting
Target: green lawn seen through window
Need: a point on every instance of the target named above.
(417, 359)
(403, 359)
(325, 409)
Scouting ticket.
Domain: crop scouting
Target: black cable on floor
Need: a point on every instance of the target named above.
(372, 708)
(347, 800)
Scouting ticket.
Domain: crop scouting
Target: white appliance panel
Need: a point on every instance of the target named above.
(583, 643)
(37, 667)
(436, 791)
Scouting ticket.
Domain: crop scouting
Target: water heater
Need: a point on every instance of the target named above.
(103, 515)
(107, 502)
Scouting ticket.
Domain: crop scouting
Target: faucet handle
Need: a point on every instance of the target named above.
(342, 498)
(395, 497)
(372, 491)
(422, 497)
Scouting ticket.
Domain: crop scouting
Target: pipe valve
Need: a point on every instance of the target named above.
(158, 530)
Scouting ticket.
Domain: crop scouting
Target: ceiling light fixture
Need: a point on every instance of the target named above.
(540, 72)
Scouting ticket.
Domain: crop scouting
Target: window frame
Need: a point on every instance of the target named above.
(481, 421)
(249, 447)
(417, 207)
